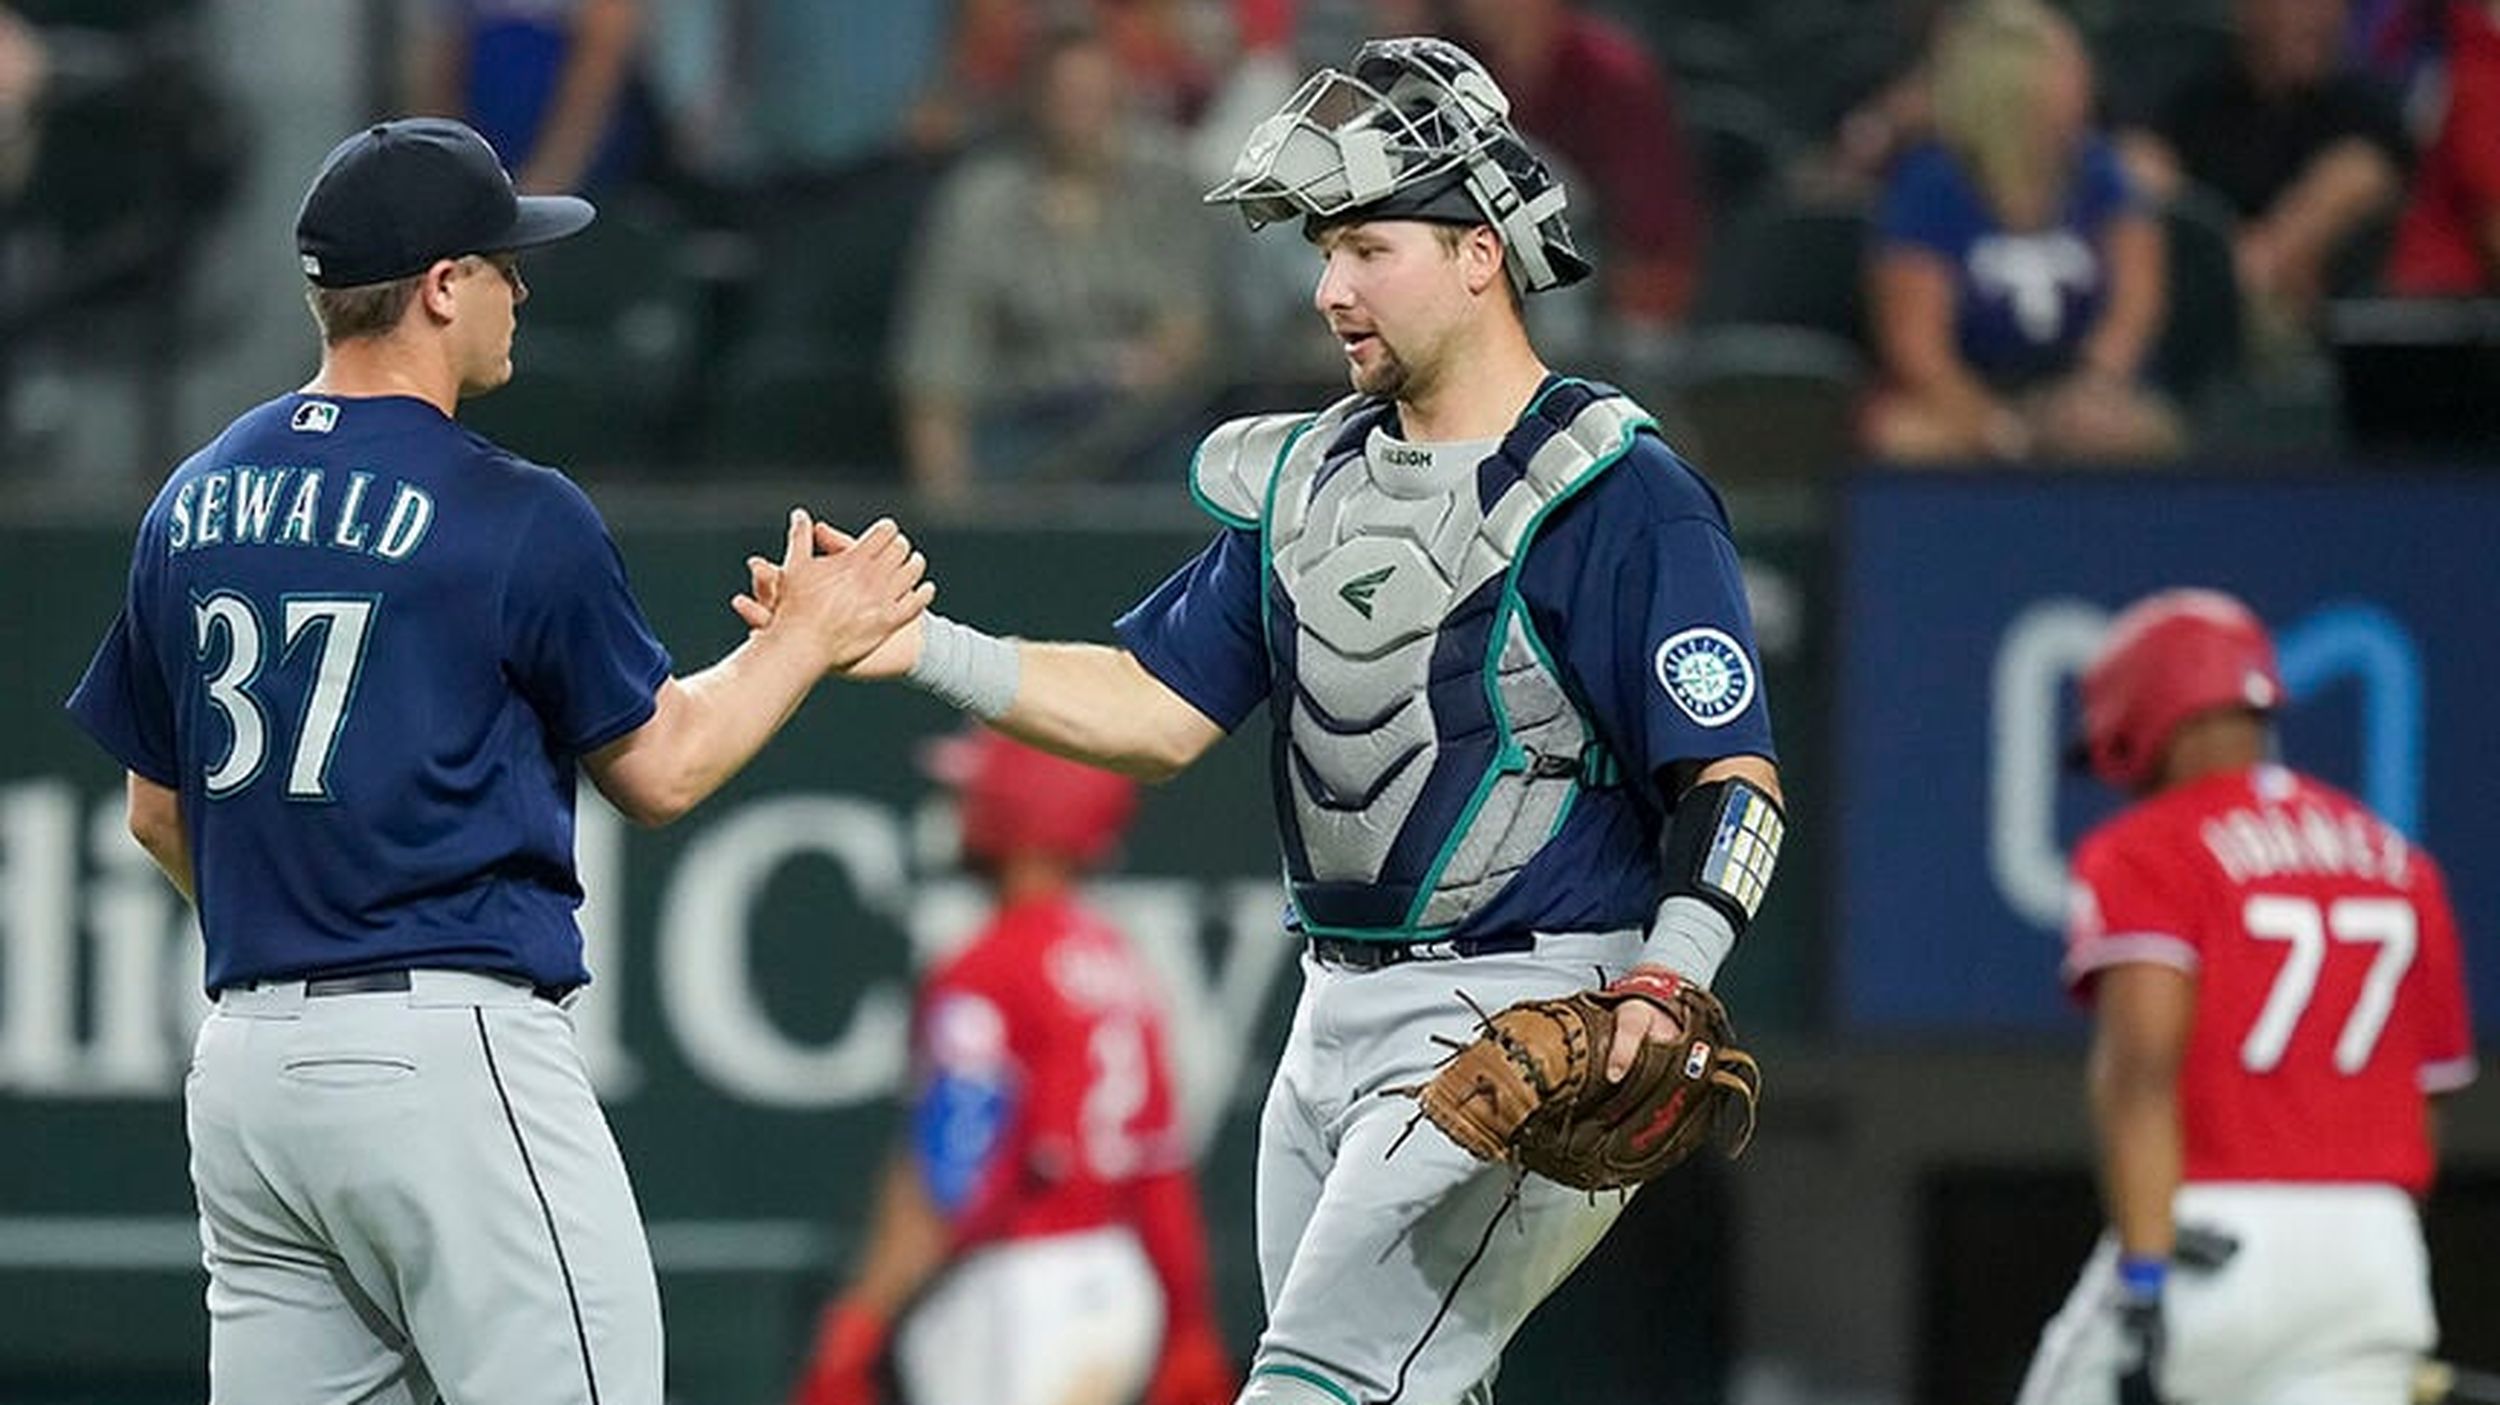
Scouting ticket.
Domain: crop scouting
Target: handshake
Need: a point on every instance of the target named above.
(855, 602)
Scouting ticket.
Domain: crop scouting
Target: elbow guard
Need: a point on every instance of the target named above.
(1722, 845)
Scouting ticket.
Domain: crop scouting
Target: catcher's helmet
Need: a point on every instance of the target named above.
(1015, 799)
(1417, 131)
(2167, 658)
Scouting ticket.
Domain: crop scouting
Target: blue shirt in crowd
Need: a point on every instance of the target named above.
(2024, 300)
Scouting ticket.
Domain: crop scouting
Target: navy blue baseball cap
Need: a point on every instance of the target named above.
(397, 196)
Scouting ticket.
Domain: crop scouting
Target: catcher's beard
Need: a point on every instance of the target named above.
(1395, 376)
(1387, 377)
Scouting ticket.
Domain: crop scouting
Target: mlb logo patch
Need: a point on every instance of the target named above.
(315, 417)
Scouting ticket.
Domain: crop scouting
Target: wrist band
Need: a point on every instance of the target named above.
(966, 668)
(2141, 1276)
(1690, 937)
(1653, 983)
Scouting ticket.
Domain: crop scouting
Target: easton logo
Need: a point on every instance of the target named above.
(1405, 456)
(1359, 591)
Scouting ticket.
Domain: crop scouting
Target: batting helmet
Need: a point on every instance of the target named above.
(1015, 799)
(2167, 658)
(1417, 131)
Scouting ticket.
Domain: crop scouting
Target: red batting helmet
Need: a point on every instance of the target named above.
(2167, 658)
(1016, 799)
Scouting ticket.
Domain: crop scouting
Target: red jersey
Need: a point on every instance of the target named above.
(2456, 191)
(2330, 991)
(1042, 1090)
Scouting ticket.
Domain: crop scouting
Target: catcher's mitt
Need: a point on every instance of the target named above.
(1532, 1088)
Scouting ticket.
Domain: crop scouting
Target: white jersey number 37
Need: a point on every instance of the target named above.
(341, 621)
(2386, 923)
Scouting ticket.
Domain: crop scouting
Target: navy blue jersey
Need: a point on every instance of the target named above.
(1635, 585)
(367, 647)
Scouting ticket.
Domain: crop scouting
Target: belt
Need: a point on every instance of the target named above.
(1357, 954)
(398, 982)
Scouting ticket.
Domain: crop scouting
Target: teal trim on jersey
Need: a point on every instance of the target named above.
(1208, 505)
(1511, 758)
(1308, 1376)
(1267, 609)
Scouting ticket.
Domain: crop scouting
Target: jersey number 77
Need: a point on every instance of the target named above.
(2308, 927)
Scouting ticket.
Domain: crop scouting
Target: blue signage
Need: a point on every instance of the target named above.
(1967, 606)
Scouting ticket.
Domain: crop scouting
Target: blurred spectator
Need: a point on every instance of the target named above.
(1590, 92)
(554, 85)
(119, 151)
(763, 90)
(1898, 115)
(2017, 281)
(1062, 293)
(2306, 152)
(994, 41)
(23, 66)
(2448, 242)
(2394, 41)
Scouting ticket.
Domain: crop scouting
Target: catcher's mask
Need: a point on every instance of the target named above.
(1417, 131)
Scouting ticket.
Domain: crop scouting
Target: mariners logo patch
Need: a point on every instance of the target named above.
(1706, 673)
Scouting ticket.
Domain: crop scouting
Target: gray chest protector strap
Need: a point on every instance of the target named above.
(1425, 746)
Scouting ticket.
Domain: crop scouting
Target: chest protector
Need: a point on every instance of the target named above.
(1425, 746)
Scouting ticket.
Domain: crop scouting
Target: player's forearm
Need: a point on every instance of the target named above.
(907, 1243)
(1098, 704)
(156, 822)
(1171, 1230)
(705, 728)
(2135, 1112)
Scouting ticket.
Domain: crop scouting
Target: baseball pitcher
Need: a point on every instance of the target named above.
(362, 653)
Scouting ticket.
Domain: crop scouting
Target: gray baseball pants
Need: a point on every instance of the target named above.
(412, 1196)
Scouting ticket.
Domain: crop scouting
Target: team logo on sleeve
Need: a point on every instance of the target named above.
(1706, 673)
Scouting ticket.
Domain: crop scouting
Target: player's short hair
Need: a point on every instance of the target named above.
(366, 310)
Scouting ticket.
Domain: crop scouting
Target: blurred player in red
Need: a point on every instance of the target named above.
(2278, 997)
(1040, 1222)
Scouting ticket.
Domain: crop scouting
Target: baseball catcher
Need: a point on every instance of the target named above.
(1534, 1087)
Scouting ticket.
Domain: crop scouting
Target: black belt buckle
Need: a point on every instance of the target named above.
(368, 983)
